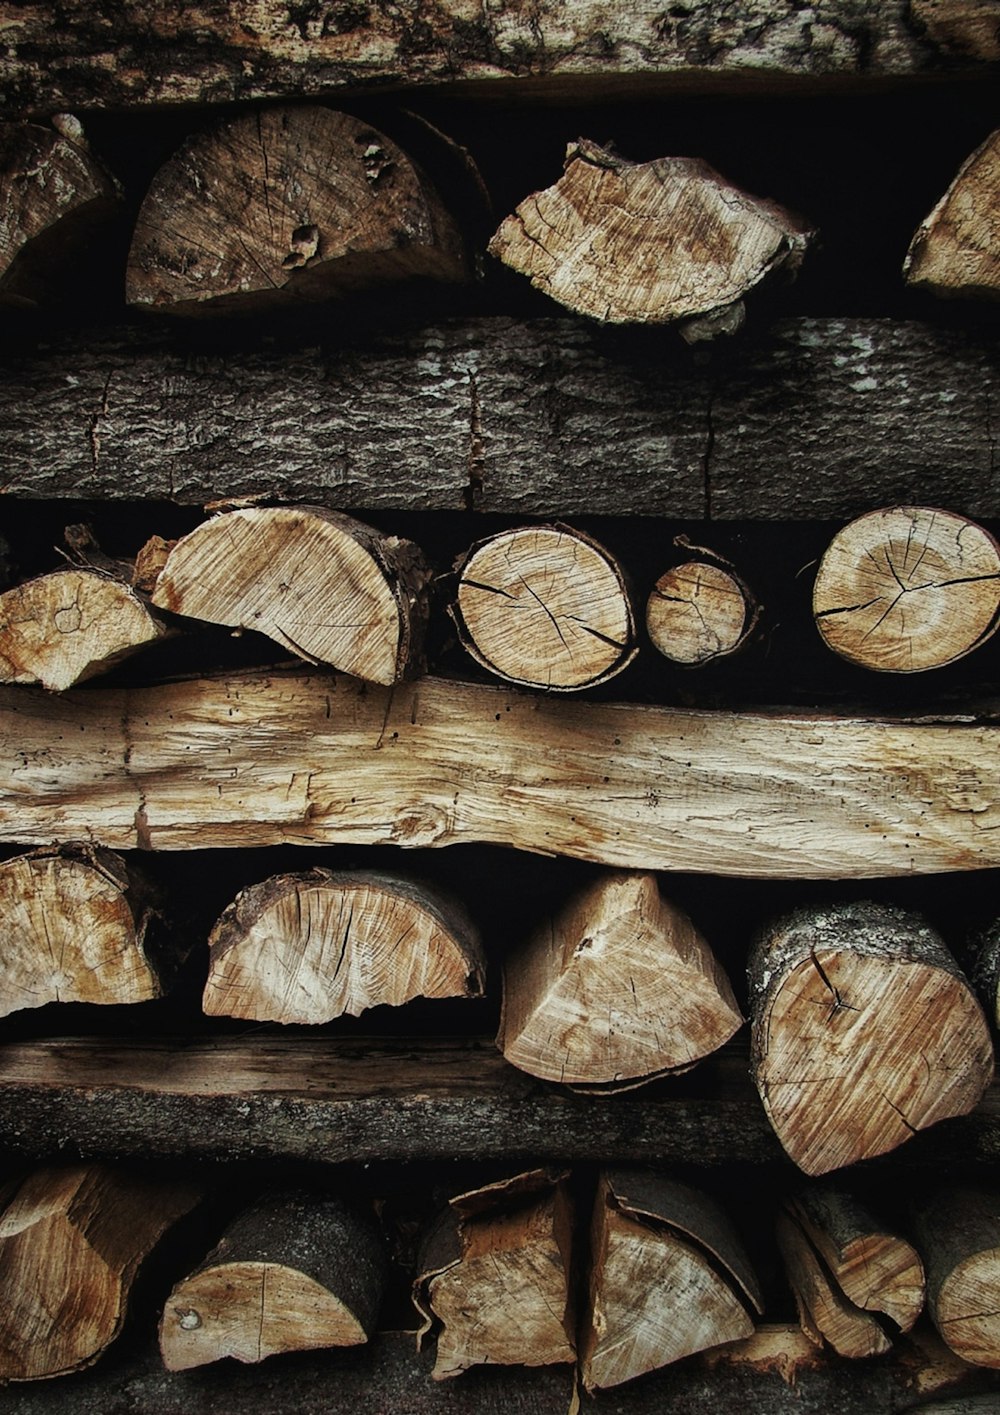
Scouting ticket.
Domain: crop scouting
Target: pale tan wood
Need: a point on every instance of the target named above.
(71, 1242)
(70, 625)
(321, 584)
(295, 1272)
(825, 1314)
(699, 611)
(310, 947)
(545, 606)
(908, 588)
(285, 204)
(838, 996)
(664, 242)
(957, 1230)
(176, 766)
(619, 986)
(495, 1276)
(956, 248)
(668, 1277)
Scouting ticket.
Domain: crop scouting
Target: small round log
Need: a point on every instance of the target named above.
(956, 249)
(699, 611)
(958, 1233)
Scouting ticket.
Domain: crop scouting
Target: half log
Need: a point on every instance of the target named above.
(825, 1314)
(956, 249)
(958, 1233)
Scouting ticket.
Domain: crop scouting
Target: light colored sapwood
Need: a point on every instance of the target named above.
(825, 1314)
(699, 611)
(617, 988)
(957, 1230)
(956, 249)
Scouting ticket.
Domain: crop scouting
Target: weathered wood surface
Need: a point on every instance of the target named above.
(816, 419)
(310, 759)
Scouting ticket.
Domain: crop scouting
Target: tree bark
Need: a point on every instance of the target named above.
(700, 610)
(956, 249)
(958, 1233)
(825, 1314)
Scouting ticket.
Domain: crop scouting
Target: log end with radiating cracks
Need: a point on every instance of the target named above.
(545, 606)
(699, 611)
(956, 249)
(908, 588)
(864, 1031)
(618, 988)
(664, 242)
(310, 947)
(324, 586)
(282, 205)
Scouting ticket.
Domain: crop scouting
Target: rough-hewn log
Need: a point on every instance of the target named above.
(956, 249)
(700, 610)
(825, 1314)
(957, 1230)
(837, 997)
(816, 420)
(310, 947)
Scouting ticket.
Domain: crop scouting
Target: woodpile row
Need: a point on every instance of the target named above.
(584, 461)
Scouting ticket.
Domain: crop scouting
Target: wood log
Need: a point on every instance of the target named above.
(309, 947)
(545, 606)
(323, 585)
(664, 242)
(960, 27)
(700, 610)
(956, 249)
(668, 1277)
(78, 925)
(957, 1230)
(53, 197)
(907, 589)
(495, 1276)
(986, 970)
(825, 1314)
(618, 988)
(281, 205)
(71, 1242)
(294, 1272)
(837, 997)
(300, 759)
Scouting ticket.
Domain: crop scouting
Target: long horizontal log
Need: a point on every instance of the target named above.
(312, 759)
(818, 418)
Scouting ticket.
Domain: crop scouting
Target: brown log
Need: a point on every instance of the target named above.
(295, 1272)
(668, 1277)
(71, 1242)
(825, 1314)
(310, 947)
(838, 996)
(495, 1276)
(966, 28)
(545, 606)
(77, 925)
(282, 205)
(958, 1233)
(323, 585)
(665, 242)
(986, 970)
(618, 988)
(700, 610)
(956, 249)
(907, 589)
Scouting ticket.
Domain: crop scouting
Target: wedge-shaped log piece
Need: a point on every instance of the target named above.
(956, 249)
(76, 926)
(327, 587)
(825, 1314)
(698, 611)
(658, 242)
(957, 1230)
(545, 606)
(71, 1242)
(668, 1277)
(838, 996)
(281, 205)
(495, 1276)
(70, 625)
(310, 947)
(296, 1271)
(908, 588)
(617, 988)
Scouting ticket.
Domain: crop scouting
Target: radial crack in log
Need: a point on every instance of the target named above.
(956, 249)
(699, 611)
(825, 1314)
(957, 1230)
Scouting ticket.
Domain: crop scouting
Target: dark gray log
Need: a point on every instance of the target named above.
(818, 419)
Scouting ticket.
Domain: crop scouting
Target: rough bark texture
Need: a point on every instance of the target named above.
(816, 420)
(956, 249)
(958, 1233)
(986, 970)
(959, 27)
(825, 1314)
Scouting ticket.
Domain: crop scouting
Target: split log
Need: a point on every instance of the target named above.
(956, 249)
(495, 1276)
(282, 205)
(76, 925)
(295, 1272)
(668, 1277)
(837, 997)
(71, 1242)
(907, 589)
(545, 606)
(958, 1234)
(665, 242)
(619, 988)
(699, 611)
(310, 947)
(326, 587)
(825, 1314)
(53, 197)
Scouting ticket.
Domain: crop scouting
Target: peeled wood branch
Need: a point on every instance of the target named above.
(825, 1314)
(310, 947)
(837, 997)
(956, 249)
(958, 1234)
(618, 988)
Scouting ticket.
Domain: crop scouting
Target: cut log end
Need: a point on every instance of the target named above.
(697, 612)
(956, 249)
(825, 1314)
